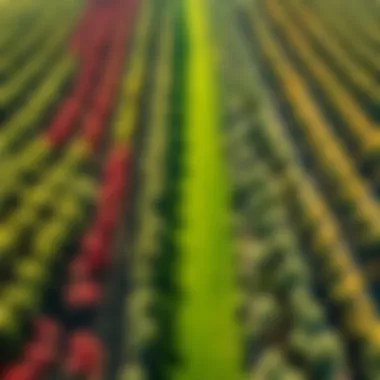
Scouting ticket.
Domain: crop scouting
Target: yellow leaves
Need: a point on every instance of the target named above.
(346, 285)
(127, 113)
(349, 288)
(340, 260)
(31, 157)
(337, 166)
(8, 237)
(315, 209)
(361, 321)
(371, 145)
(79, 151)
(133, 81)
(353, 190)
(325, 238)
(356, 120)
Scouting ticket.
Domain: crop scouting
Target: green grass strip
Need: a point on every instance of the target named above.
(207, 333)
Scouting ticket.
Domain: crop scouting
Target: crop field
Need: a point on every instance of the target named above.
(189, 190)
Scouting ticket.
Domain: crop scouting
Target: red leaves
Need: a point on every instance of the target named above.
(63, 122)
(85, 355)
(83, 295)
(23, 371)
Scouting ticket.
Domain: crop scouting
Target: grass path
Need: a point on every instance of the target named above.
(208, 335)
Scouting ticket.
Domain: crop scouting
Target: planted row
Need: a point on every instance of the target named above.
(349, 193)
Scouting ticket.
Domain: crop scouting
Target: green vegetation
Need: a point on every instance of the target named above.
(208, 335)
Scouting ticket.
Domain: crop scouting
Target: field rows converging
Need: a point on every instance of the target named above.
(59, 204)
(189, 190)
